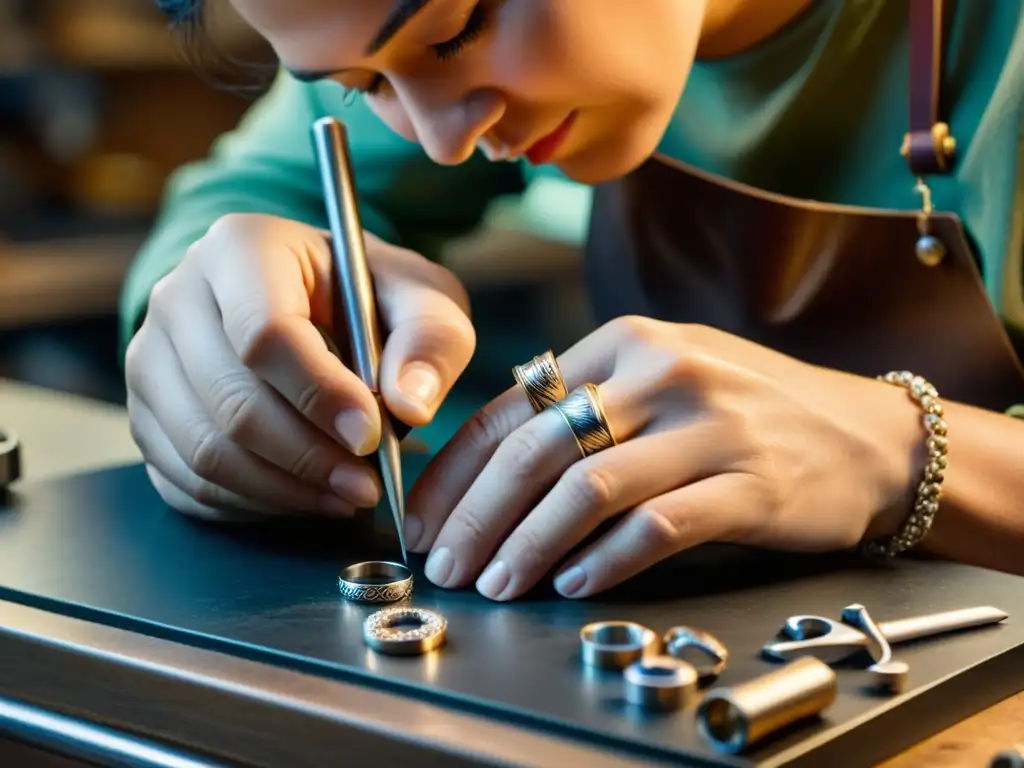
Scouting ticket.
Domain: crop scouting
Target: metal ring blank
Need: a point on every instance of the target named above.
(616, 644)
(405, 631)
(375, 581)
(678, 639)
(661, 683)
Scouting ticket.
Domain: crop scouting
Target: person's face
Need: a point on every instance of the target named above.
(589, 85)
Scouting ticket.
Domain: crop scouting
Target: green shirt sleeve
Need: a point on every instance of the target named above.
(266, 165)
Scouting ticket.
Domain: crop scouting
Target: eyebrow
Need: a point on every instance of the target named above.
(400, 15)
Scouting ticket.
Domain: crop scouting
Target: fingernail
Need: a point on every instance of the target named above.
(570, 581)
(439, 566)
(494, 580)
(355, 428)
(421, 382)
(332, 505)
(357, 485)
(412, 531)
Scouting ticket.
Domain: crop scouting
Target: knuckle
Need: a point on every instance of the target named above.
(449, 283)
(230, 226)
(311, 399)
(487, 428)
(521, 453)
(255, 330)
(633, 329)
(163, 298)
(470, 523)
(592, 487)
(657, 529)
(311, 464)
(531, 552)
(689, 367)
(206, 454)
(236, 403)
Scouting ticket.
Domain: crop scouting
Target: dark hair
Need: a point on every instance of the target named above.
(215, 67)
(181, 12)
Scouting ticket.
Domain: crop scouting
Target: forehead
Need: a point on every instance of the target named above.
(315, 32)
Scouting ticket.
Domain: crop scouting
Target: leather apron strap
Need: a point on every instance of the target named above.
(928, 145)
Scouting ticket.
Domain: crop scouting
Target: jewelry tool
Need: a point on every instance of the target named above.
(832, 641)
(887, 674)
(354, 300)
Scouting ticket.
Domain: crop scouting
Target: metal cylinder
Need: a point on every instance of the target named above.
(616, 644)
(1010, 758)
(732, 719)
(661, 683)
(10, 458)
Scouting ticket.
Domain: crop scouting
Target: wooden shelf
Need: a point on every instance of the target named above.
(62, 279)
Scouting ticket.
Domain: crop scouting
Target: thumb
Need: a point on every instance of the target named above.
(431, 337)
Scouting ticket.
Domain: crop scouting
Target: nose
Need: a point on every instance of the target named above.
(449, 129)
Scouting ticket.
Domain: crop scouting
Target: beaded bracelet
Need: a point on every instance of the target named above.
(926, 503)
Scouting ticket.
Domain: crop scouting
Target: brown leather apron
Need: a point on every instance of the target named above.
(836, 286)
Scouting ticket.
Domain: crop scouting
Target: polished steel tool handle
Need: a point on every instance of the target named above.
(916, 627)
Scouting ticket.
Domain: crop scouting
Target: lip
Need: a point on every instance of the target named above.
(547, 147)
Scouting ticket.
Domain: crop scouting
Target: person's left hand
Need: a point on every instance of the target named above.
(719, 439)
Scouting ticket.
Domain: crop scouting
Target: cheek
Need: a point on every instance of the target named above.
(597, 50)
(391, 112)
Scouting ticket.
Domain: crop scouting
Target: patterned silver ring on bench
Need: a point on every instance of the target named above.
(375, 581)
(405, 631)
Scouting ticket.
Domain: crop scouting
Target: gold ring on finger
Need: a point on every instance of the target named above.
(541, 379)
(584, 413)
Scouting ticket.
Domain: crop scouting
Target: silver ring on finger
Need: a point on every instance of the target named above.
(542, 380)
(584, 413)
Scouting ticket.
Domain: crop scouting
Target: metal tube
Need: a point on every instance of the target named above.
(916, 627)
(734, 718)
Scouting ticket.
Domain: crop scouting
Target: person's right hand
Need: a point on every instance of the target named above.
(237, 403)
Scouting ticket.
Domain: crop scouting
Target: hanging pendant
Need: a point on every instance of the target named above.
(930, 249)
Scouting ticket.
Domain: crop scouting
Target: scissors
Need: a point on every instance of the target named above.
(833, 641)
(353, 292)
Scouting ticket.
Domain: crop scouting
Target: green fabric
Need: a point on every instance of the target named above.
(816, 112)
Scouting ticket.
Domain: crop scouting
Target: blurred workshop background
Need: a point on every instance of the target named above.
(99, 104)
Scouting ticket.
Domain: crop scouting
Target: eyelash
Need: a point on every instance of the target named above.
(449, 49)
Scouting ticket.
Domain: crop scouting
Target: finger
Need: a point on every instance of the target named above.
(714, 509)
(271, 299)
(592, 491)
(208, 453)
(181, 501)
(431, 338)
(524, 467)
(204, 498)
(453, 470)
(254, 415)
